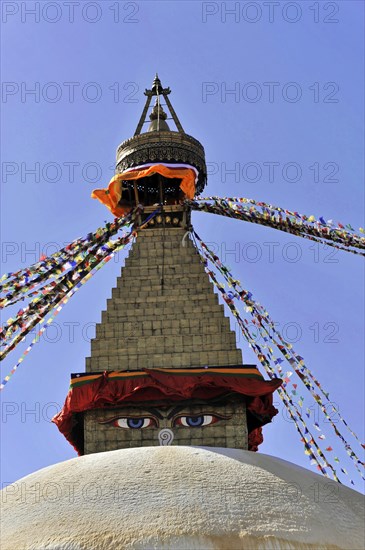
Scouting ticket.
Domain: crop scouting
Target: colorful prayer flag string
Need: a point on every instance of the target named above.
(260, 317)
(63, 301)
(340, 236)
(19, 283)
(42, 305)
(52, 291)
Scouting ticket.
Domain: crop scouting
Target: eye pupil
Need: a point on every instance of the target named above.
(135, 423)
(195, 421)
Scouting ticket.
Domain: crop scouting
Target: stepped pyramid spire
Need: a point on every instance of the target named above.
(164, 366)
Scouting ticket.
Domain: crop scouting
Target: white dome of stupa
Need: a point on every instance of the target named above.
(178, 497)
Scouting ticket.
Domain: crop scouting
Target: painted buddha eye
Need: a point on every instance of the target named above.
(196, 421)
(137, 423)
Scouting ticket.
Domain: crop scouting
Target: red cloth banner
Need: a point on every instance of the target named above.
(118, 389)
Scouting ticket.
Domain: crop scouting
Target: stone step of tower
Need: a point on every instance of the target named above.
(161, 261)
(165, 253)
(163, 327)
(170, 281)
(153, 235)
(163, 360)
(180, 334)
(174, 342)
(157, 290)
(168, 318)
(177, 300)
(168, 270)
(148, 311)
(167, 327)
(161, 247)
(155, 350)
(156, 342)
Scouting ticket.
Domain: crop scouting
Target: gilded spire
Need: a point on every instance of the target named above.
(158, 119)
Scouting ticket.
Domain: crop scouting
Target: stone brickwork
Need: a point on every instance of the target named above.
(177, 324)
(228, 427)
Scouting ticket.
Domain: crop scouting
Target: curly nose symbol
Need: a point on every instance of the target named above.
(165, 437)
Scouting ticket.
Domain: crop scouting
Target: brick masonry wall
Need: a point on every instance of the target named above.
(177, 324)
(103, 434)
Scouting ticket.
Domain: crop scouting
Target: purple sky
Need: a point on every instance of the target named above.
(273, 92)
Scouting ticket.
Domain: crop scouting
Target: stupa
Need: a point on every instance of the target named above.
(167, 416)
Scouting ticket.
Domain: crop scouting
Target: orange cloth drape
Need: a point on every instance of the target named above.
(112, 195)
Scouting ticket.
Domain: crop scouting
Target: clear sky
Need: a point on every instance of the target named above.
(292, 128)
